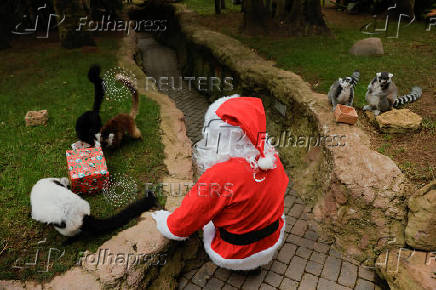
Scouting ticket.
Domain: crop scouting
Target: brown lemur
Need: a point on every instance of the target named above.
(113, 131)
(382, 94)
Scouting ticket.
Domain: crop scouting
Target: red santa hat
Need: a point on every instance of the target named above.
(249, 114)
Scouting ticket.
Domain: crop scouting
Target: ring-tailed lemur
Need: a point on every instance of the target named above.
(382, 94)
(342, 91)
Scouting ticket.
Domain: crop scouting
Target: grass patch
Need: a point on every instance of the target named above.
(39, 76)
(208, 7)
(321, 60)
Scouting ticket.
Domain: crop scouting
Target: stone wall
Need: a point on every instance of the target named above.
(358, 195)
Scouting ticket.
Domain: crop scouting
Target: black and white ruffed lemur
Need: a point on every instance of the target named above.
(55, 204)
(382, 94)
(342, 91)
(89, 123)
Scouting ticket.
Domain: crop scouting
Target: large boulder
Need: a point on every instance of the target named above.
(421, 227)
(406, 269)
(399, 121)
(368, 46)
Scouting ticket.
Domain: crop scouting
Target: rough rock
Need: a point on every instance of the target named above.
(368, 46)
(406, 269)
(421, 226)
(398, 121)
(36, 118)
(71, 278)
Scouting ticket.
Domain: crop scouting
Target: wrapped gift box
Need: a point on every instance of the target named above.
(345, 114)
(87, 170)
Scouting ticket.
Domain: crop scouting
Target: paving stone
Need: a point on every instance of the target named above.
(296, 268)
(288, 284)
(318, 257)
(364, 285)
(293, 239)
(229, 287)
(204, 273)
(189, 274)
(322, 248)
(314, 268)
(254, 282)
(303, 252)
(308, 282)
(333, 252)
(265, 286)
(236, 280)
(311, 235)
(305, 216)
(286, 253)
(288, 227)
(267, 266)
(350, 260)
(296, 210)
(278, 267)
(299, 228)
(305, 243)
(273, 279)
(222, 274)
(331, 268)
(324, 284)
(289, 201)
(366, 273)
(191, 286)
(348, 274)
(214, 284)
(290, 220)
(182, 283)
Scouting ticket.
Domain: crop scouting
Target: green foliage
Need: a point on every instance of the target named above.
(48, 77)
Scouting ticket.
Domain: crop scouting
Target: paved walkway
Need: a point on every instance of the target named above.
(303, 262)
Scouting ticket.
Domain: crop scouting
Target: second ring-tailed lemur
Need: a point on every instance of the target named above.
(342, 91)
(382, 94)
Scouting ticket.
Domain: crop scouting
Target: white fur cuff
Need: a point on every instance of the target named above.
(161, 217)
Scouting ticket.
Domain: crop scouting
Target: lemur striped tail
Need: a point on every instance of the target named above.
(355, 77)
(415, 94)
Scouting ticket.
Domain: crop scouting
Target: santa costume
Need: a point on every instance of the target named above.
(239, 198)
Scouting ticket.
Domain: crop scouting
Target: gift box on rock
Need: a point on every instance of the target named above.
(87, 170)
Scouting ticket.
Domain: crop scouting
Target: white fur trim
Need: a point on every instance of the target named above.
(267, 162)
(249, 263)
(161, 217)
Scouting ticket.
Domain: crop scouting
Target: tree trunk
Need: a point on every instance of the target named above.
(255, 16)
(68, 34)
(223, 4)
(407, 7)
(305, 17)
(217, 6)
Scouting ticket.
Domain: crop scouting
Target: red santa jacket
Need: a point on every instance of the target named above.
(228, 196)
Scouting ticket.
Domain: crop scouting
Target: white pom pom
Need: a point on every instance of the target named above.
(266, 162)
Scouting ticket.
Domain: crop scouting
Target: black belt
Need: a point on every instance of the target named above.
(250, 237)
